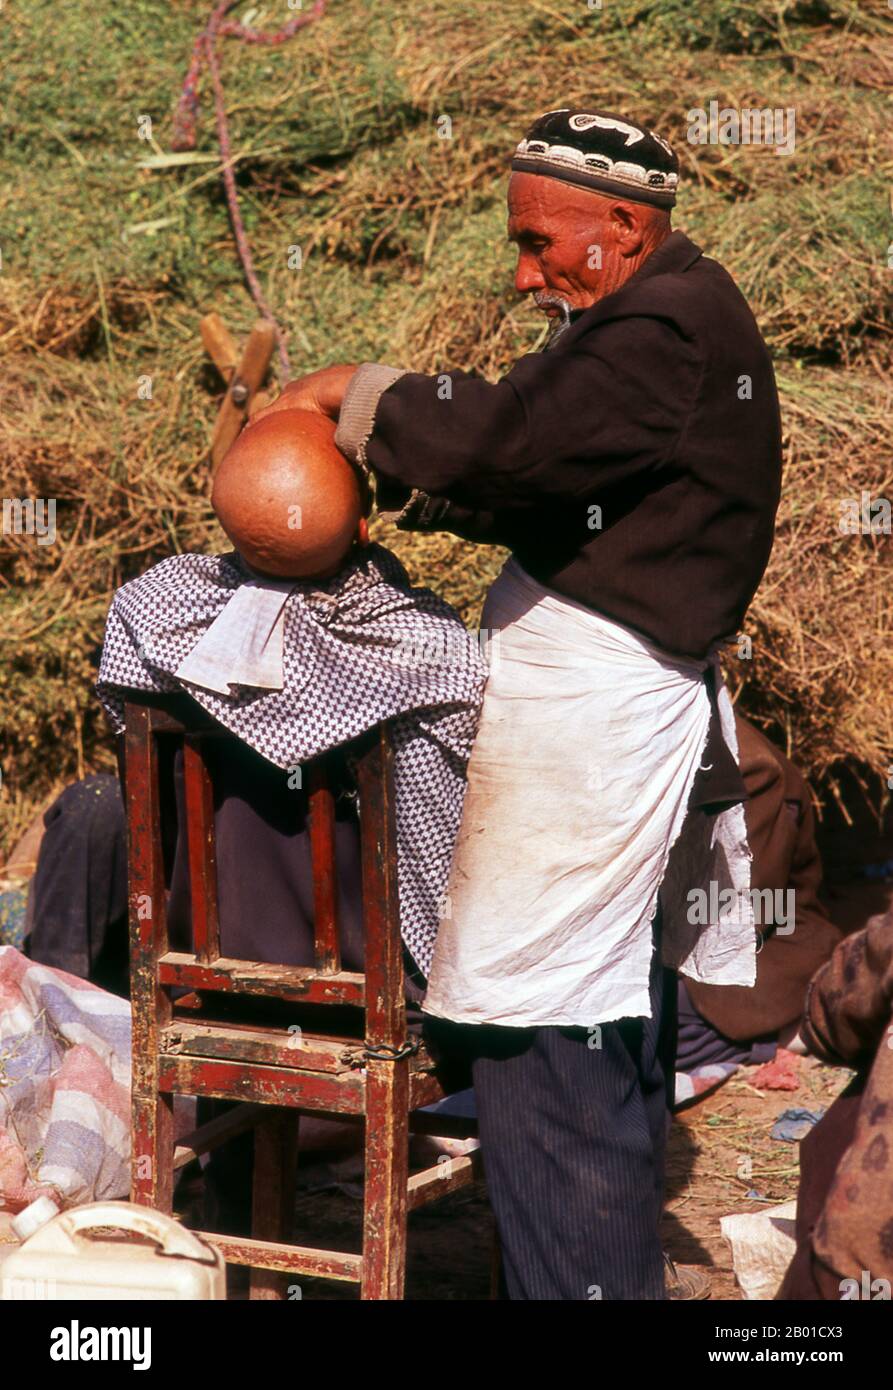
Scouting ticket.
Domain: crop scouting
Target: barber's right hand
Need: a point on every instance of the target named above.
(322, 391)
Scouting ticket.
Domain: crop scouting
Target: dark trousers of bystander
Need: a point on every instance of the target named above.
(573, 1126)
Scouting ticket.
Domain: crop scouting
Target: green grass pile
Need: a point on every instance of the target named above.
(111, 252)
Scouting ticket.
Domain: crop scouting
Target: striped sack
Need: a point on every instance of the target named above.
(64, 1087)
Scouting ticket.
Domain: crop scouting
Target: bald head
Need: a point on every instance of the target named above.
(287, 498)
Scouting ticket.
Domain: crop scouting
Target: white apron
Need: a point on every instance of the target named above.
(578, 784)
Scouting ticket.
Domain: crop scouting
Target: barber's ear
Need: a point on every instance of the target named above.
(363, 531)
(628, 230)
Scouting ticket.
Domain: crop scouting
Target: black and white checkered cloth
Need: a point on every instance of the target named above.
(359, 648)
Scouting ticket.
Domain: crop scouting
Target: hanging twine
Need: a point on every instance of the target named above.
(185, 121)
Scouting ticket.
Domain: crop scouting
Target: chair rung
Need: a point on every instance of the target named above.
(218, 1131)
(449, 1176)
(265, 1045)
(265, 1085)
(300, 984)
(294, 1259)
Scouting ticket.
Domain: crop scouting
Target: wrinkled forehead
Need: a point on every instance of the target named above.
(535, 200)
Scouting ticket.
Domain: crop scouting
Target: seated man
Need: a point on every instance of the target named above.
(721, 1026)
(298, 642)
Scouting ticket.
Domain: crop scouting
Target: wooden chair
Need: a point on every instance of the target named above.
(378, 1076)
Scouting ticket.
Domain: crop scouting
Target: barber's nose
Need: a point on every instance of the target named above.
(528, 276)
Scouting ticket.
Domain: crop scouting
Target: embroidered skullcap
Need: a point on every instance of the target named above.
(600, 150)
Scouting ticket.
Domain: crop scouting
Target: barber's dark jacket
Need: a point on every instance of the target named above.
(634, 467)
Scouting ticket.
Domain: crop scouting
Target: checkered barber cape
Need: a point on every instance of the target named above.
(359, 648)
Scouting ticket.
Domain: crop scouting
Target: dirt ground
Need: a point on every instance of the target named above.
(724, 1135)
(451, 1243)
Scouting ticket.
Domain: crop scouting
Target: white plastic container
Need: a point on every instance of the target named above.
(9, 1241)
(62, 1261)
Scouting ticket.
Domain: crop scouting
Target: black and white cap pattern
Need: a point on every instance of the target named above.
(603, 151)
(359, 648)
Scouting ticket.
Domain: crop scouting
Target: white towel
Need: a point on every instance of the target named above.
(244, 644)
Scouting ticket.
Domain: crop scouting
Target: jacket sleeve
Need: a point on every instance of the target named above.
(410, 509)
(848, 1007)
(562, 424)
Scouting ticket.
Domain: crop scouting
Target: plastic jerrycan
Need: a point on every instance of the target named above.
(8, 1240)
(62, 1261)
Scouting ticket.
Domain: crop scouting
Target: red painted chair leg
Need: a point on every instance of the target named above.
(152, 1152)
(387, 1172)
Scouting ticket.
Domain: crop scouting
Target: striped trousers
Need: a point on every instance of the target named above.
(573, 1127)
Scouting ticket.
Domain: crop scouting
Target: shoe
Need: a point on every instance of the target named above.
(685, 1281)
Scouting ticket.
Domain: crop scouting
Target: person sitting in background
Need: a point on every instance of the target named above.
(729, 1025)
(845, 1203)
(76, 917)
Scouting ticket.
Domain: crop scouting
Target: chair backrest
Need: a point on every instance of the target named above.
(155, 969)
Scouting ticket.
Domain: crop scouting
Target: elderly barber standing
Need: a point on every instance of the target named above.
(633, 469)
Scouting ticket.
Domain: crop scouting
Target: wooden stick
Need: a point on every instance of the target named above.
(220, 345)
(241, 388)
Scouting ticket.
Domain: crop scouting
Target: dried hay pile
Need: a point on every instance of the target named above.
(115, 252)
